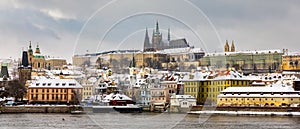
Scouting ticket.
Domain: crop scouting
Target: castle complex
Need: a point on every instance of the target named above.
(157, 42)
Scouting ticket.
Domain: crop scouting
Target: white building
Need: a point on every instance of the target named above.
(182, 103)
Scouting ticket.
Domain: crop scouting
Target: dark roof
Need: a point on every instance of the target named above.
(178, 43)
(25, 59)
(4, 72)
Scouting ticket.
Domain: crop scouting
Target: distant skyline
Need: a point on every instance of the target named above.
(65, 28)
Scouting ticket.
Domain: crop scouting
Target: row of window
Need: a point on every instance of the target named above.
(56, 84)
(87, 93)
(159, 98)
(47, 97)
(47, 90)
(262, 93)
(87, 88)
(193, 89)
(291, 99)
(218, 83)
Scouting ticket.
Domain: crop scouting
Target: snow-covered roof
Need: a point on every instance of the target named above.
(244, 52)
(181, 50)
(183, 97)
(55, 58)
(54, 83)
(112, 96)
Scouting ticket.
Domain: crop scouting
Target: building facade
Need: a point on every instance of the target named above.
(259, 96)
(248, 61)
(290, 62)
(206, 90)
(54, 91)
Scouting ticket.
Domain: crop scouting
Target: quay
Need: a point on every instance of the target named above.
(40, 109)
(246, 113)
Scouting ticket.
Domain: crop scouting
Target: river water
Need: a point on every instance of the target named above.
(144, 121)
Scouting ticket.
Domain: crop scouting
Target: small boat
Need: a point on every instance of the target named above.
(130, 108)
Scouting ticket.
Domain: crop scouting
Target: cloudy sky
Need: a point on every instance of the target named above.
(65, 28)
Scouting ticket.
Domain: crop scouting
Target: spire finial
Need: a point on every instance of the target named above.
(169, 35)
(29, 44)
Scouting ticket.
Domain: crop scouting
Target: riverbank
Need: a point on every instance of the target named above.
(40, 109)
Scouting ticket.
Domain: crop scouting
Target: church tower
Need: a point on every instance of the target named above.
(146, 42)
(226, 47)
(232, 47)
(30, 54)
(156, 38)
(24, 69)
(37, 50)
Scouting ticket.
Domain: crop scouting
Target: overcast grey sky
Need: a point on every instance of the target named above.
(65, 28)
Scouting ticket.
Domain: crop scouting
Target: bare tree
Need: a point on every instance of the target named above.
(16, 90)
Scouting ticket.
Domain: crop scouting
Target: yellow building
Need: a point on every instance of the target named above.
(54, 91)
(122, 60)
(87, 91)
(291, 62)
(206, 90)
(259, 96)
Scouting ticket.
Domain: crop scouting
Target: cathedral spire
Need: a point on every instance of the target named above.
(157, 28)
(146, 41)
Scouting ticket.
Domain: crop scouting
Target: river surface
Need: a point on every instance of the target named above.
(145, 121)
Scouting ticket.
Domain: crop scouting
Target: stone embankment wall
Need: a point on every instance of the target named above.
(39, 109)
(257, 109)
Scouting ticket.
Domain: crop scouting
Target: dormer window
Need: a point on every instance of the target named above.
(49, 84)
(37, 84)
(44, 84)
(57, 84)
(63, 84)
